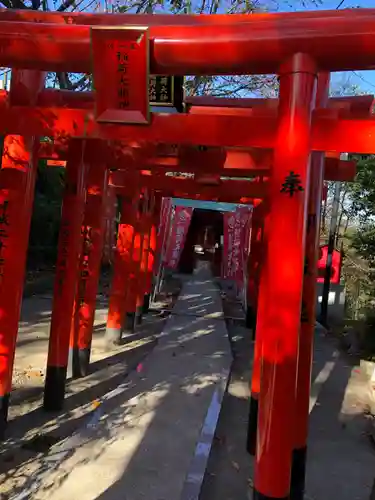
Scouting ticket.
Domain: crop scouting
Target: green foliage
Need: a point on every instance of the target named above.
(362, 192)
(359, 265)
(46, 216)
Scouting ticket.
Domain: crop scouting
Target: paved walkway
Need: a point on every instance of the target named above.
(149, 438)
(341, 458)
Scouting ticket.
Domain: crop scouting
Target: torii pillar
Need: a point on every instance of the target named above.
(17, 185)
(280, 294)
(122, 265)
(89, 268)
(305, 348)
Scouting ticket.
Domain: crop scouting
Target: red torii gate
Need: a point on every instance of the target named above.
(280, 44)
(177, 49)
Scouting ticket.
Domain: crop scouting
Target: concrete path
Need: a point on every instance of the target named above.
(341, 458)
(149, 438)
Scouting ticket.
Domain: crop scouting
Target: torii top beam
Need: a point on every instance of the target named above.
(329, 133)
(333, 129)
(108, 19)
(189, 188)
(360, 104)
(337, 41)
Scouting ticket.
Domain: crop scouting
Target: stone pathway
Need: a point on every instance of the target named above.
(149, 437)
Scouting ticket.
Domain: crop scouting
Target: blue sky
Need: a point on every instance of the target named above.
(364, 79)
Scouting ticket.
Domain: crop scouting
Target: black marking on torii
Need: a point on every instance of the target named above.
(292, 184)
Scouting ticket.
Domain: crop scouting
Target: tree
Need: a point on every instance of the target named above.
(358, 237)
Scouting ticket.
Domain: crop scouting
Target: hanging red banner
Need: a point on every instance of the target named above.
(232, 240)
(180, 226)
(120, 62)
(236, 230)
(164, 224)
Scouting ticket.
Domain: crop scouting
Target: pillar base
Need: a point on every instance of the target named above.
(138, 315)
(260, 496)
(297, 482)
(79, 361)
(251, 443)
(146, 303)
(4, 408)
(129, 326)
(112, 337)
(54, 389)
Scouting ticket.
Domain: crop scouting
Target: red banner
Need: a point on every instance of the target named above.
(176, 239)
(245, 213)
(236, 243)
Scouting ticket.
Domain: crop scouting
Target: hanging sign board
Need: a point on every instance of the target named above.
(166, 91)
(120, 62)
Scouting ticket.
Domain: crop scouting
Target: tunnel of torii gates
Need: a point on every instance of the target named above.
(287, 146)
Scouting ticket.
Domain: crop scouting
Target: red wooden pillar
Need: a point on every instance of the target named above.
(144, 263)
(17, 184)
(158, 244)
(254, 261)
(136, 299)
(129, 303)
(133, 302)
(151, 254)
(67, 266)
(109, 225)
(279, 309)
(305, 348)
(89, 269)
(259, 244)
(139, 263)
(122, 266)
(259, 247)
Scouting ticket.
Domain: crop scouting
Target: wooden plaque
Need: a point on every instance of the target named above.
(167, 91)
(120, 62)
